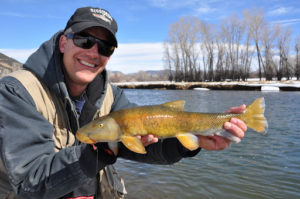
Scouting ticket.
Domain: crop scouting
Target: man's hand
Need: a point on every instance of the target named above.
(236, 126)
(148, 139)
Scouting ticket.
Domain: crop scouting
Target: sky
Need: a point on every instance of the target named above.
(143, 25)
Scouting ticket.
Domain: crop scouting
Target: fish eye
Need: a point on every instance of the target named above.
(100, 125)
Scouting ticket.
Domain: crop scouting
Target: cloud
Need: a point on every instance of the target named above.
(204, 10)
(174, 4)
(190, 7)
(287, 21)
(20, 55)
(280, 11)
(128, 58)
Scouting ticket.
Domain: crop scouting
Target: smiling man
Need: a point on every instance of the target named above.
(84, 63)
(63, 86)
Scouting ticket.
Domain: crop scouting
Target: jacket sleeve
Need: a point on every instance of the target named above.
(34, 169)
(167, 151)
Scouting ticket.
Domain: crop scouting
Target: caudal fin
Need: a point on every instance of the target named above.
(254, 116)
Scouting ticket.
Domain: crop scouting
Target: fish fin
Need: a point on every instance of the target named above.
(188, 140)
(254, 116)
(133, 143)
(229, 136)
(176, 105)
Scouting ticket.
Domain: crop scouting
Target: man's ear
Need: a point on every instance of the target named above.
(62, 43)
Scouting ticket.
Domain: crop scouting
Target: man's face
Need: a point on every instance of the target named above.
(83, 65)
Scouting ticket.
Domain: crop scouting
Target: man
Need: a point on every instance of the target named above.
(62, 86)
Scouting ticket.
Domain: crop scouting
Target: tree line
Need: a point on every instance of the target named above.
(199, 51)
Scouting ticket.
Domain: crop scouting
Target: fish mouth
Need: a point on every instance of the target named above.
(84, 138)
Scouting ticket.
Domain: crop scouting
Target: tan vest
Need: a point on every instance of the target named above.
(51, 107)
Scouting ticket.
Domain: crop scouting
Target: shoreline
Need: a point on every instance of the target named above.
(292, 85)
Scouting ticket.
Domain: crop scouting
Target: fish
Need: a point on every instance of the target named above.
(167, 120)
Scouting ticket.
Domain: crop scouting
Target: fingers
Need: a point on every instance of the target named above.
(236, 126)
(213, 142)
(148, 139)
(238, 109)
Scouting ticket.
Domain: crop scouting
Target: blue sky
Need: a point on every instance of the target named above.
(143, 24)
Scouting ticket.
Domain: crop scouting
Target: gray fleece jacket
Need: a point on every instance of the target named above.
(33, 168)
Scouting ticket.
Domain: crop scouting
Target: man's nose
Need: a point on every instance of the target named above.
(93, 51)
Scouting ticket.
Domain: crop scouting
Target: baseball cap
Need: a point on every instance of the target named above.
(87, 17)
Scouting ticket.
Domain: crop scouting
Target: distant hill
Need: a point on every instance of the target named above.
(8, 65)
(149, 75)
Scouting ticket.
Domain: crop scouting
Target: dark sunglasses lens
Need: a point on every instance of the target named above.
(87, 42)
(83, 42)
(105, 49)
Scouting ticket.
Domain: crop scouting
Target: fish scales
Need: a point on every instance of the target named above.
(167, 120)
(163, 122)
(147, 120)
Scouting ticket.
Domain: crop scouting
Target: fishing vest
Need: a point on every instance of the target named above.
(52, 108)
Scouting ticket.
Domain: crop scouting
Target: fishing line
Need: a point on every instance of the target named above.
(96, 160)
(96, 194)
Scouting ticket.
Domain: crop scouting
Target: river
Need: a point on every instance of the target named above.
(261, 166)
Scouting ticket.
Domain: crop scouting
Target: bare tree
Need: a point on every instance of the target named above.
(246, 57)
(284, 68)
(297, 65)
(268, 38)
(181, 49)
(197, 51)
(221, 50)
(172, 55)
(168, 61)
(233, 29)
(207, 46)
(256, 21)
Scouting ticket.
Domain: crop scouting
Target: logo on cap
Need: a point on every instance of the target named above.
(101, 14)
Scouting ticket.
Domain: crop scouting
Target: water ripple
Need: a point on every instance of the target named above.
(260, 167)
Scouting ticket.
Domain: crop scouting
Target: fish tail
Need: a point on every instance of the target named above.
(254, 116)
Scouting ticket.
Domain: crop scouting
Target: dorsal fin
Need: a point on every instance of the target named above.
(176, 105)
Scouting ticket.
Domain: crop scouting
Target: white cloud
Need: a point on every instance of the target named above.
(280, 11)
(130, 58)
(204, 10)
(287, 21)
(20, 55)
(174, 4)
(127, 58)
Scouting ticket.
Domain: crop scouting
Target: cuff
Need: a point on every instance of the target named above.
(186, 153)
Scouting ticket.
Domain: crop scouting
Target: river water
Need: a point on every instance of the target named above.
(261, 166)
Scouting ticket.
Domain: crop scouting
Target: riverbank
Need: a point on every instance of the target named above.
(292, 85)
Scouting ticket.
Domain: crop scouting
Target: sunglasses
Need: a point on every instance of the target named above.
(87, 41)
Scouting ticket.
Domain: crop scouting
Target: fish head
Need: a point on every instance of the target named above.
(103, 129)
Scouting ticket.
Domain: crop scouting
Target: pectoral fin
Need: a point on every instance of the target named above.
(188, 140)
(133, 143)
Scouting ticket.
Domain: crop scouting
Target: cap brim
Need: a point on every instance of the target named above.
(78, 27)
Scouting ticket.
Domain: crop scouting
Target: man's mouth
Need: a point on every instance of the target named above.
(87, 64)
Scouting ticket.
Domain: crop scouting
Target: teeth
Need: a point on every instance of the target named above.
(87, 64)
